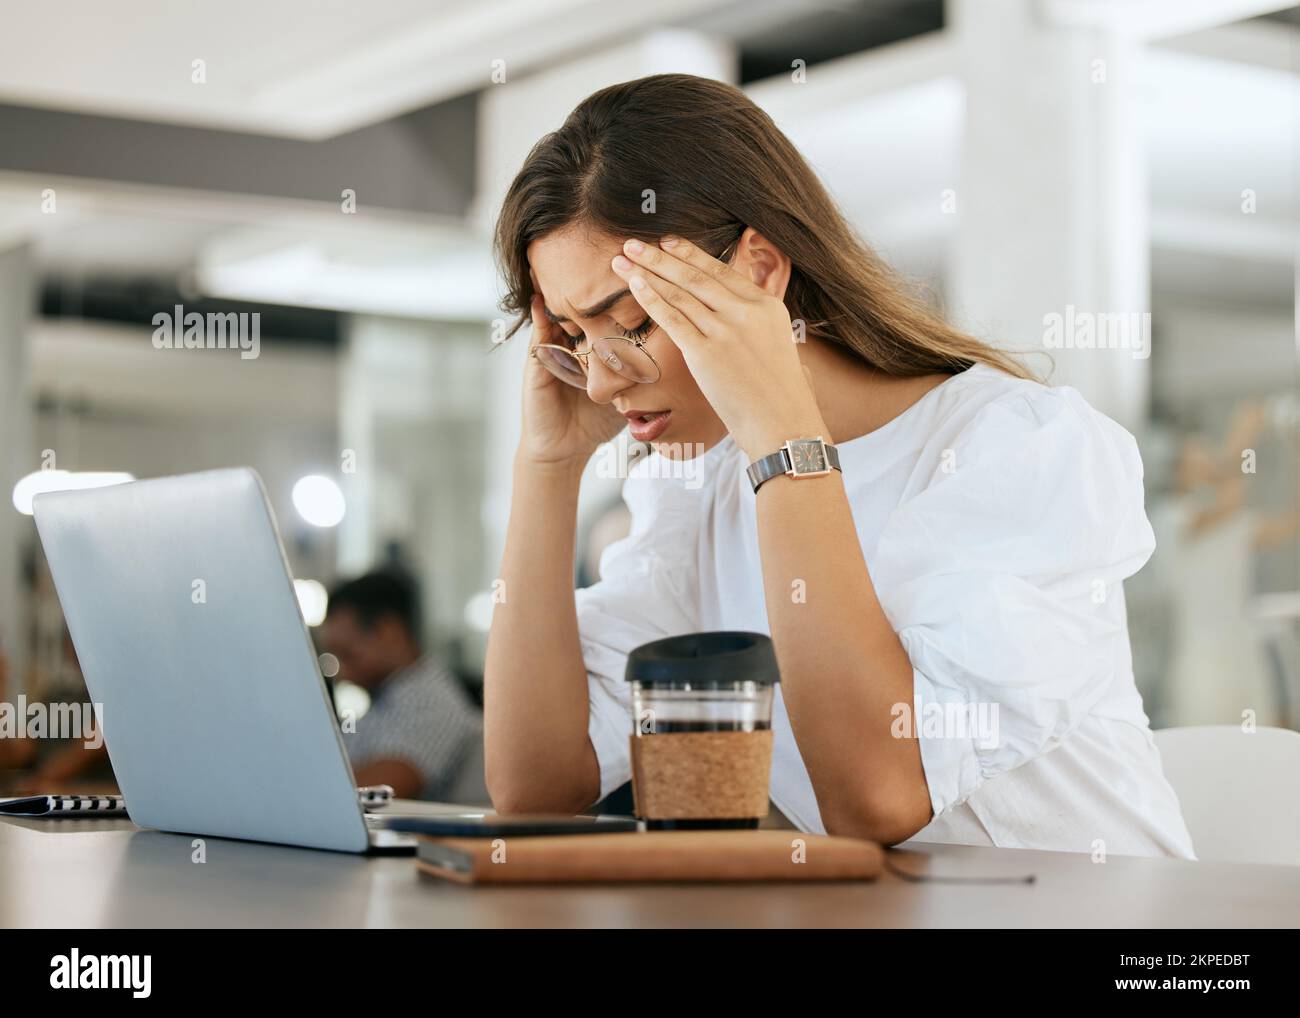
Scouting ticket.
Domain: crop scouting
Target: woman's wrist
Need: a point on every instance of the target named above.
(566, 469)
(767, 437)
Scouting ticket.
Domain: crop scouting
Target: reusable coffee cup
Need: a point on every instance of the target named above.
(702, 729)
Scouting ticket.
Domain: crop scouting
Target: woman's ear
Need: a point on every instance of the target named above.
(763, 262)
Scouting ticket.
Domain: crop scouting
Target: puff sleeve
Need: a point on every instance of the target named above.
(1002, 575)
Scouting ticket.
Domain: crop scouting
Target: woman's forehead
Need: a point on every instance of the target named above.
(571, 270)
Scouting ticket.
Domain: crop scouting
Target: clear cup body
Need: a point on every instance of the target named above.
(701, 755)
(741, 706)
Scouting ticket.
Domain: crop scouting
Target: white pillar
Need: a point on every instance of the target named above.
(17, 299)
(1052, 202)
(412, 412)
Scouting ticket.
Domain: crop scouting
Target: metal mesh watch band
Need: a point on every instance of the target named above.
(777, 463)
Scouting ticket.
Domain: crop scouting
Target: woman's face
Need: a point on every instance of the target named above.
(585, 298)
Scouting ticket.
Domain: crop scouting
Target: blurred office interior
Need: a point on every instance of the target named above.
(336, 167)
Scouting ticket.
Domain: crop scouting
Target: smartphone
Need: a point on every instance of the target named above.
(523, 825)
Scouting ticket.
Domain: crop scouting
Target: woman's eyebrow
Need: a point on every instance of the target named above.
(596, 309)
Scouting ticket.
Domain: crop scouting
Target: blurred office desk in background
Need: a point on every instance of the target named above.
(110, 873)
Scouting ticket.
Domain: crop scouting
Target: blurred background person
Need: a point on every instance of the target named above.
(15, 754)
(52, 765)
(422, 733)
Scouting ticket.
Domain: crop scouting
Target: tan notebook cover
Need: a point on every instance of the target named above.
(650, 856)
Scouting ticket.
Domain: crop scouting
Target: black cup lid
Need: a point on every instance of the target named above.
(703, 659)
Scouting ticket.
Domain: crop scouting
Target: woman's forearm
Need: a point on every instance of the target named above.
(843, 667)
(538, 755)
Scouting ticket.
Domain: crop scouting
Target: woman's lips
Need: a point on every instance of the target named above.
(649, 427)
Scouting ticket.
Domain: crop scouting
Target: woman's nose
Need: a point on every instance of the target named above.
(603, 382)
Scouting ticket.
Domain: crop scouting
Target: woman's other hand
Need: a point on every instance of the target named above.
(561, 425)
(737, 339)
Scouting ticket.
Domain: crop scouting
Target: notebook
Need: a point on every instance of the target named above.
(370, 797)
(756, 855)
(63, 805)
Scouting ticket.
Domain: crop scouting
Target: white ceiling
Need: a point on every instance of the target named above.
(1217, 123)
(299, 68)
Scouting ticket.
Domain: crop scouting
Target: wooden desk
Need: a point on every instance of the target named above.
(109, 873)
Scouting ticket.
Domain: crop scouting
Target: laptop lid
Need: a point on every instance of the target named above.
(180, 604)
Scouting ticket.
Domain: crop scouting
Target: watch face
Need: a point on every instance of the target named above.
(807, 456)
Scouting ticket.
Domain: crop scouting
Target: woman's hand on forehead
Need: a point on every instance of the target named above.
(736, 338)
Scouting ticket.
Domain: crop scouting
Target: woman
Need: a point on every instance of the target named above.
(688, 277)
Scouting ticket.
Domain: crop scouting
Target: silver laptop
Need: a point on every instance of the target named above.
(180, 604)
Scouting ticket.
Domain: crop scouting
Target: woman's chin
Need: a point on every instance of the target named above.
(682, 447)
(679, 441)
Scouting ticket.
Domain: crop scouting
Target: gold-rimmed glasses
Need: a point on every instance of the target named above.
(623, 356)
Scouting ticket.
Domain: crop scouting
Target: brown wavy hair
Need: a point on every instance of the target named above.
(716, 164)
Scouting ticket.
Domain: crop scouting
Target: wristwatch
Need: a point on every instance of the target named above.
(799, 457)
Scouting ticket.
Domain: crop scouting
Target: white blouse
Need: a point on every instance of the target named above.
(998, 518)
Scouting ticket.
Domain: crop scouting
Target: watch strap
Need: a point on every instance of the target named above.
(778, 463)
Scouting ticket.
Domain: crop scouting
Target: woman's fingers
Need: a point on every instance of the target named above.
(699, 283)
(536, 337)
(541, 324)
(537, 308)
(700, 316)
(686, 261)
(647, 289)
(541, 331)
